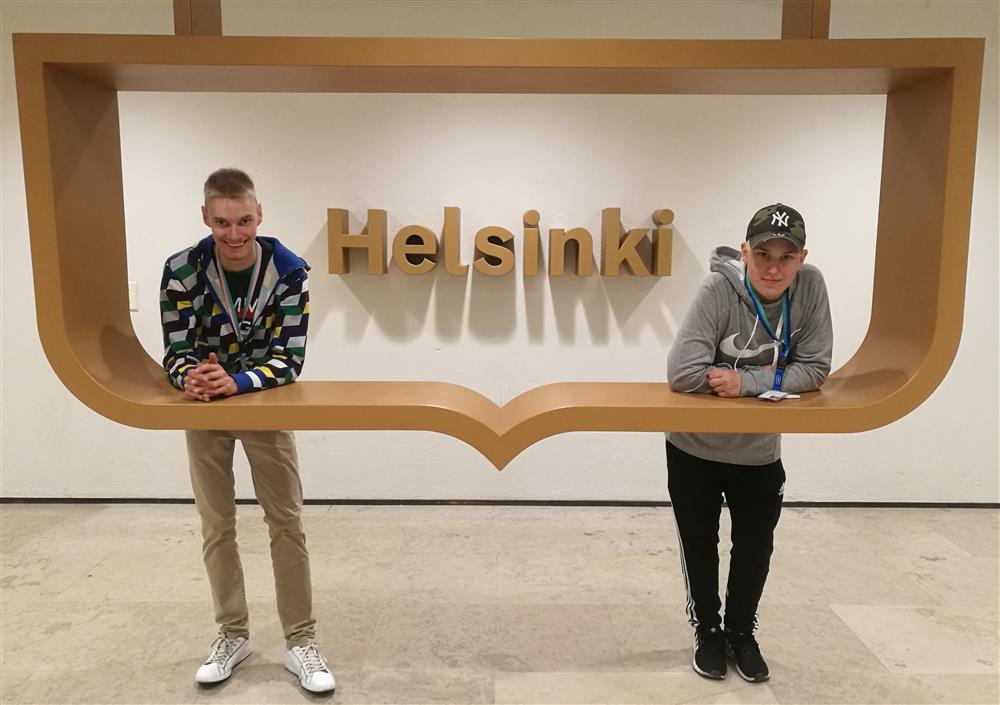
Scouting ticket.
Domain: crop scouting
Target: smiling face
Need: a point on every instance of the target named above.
(234, 224)
(772, 266)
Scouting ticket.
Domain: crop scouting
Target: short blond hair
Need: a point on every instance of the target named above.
(229, 183)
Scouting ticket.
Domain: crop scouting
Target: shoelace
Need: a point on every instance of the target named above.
(222, 649)
(311, 660)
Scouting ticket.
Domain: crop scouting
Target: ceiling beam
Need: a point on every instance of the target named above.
(805, 19)
(198, 17)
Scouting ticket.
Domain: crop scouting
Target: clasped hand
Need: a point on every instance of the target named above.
(209, 381)
(725, 383)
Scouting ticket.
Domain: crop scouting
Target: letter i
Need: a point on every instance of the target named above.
(663, 242)
(532, 238)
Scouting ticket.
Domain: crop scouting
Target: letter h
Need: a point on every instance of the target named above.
(371, 238)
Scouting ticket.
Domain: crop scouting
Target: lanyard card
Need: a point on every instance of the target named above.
(776, 395)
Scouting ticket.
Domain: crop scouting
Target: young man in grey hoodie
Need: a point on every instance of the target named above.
(760, 325)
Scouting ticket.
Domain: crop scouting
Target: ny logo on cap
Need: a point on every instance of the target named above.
(780, 218)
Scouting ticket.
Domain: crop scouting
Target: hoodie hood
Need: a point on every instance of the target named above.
(285, 261)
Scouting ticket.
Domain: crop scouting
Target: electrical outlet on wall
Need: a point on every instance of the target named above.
(133, 297)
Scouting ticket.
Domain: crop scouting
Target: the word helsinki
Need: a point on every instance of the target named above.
(417, 249)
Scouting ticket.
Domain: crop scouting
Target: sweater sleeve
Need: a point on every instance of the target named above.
(693, 351)
(287, 351)
(180, 328)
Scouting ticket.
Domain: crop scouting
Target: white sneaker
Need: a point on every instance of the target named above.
(309, 665)
(226, 655)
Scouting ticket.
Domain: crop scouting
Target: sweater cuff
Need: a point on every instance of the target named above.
(178, 380)
(244, 382)
(751, 386)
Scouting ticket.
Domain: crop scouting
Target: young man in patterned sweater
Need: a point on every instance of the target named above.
(235, 311)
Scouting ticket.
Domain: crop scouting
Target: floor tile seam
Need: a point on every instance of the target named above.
(6, 550)
(939, 602)
(602, 604)
(508, 607)
(676, 671)
(496, 577)
(964, 608)
(885, 669)
(393, 562)
(102, 599)
(68, 586)
(741, 686)
(25, 677)
(931, 601)
(949, 577)
(486, 557)
(512, 599)
(965, 570)
(614, 635)
(472, 672)
(489, 691)
(421, 596)
(370, 637)
(396, 599)
(992, 555)
(496, 635)
(901, 542)
(774, 604)
(732, 685)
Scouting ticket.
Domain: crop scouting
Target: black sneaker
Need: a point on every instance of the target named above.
(742, 648)
(709, 653)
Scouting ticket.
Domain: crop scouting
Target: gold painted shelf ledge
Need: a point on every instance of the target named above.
(500, 433)
(67, 98)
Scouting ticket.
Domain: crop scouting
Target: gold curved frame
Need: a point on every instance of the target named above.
(67, 96)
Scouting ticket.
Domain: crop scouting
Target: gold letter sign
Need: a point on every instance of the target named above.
(415, 247)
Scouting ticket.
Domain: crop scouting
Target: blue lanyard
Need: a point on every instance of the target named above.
(786, 344)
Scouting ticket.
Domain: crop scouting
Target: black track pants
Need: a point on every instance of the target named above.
(754, 494)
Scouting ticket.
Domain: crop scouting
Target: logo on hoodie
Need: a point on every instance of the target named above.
(728, 347)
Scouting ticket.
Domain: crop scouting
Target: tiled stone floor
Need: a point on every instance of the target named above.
(465, 604)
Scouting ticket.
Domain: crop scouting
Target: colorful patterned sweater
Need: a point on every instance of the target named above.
(196, 323)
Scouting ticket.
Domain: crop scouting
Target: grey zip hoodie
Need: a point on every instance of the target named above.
(721, 330)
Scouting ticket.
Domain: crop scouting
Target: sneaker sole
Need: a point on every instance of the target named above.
(750, 679)
(741, 674)
(229, 675)
(299, 677)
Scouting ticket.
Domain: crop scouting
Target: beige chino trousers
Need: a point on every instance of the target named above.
(274, 469)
